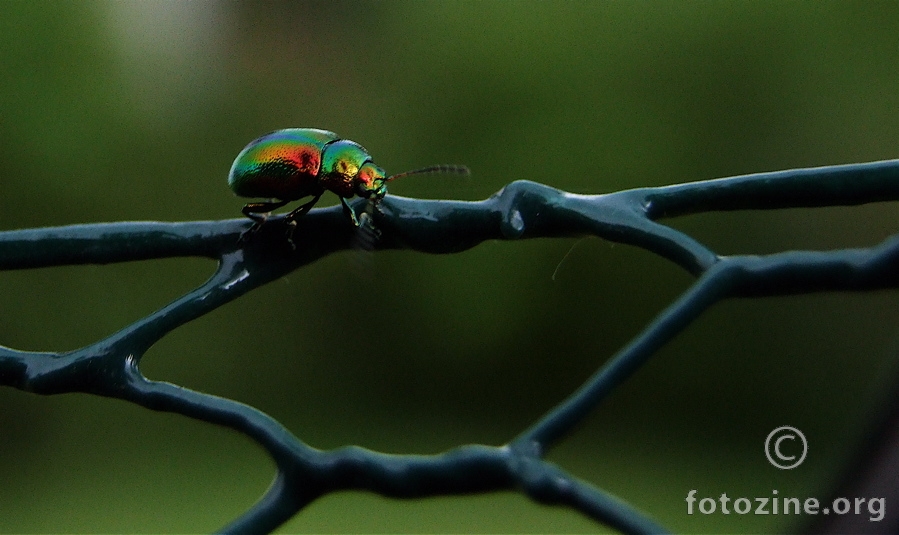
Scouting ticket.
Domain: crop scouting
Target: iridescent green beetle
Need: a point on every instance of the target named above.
(291, 164)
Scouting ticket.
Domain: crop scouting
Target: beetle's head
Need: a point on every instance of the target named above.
(371, 182)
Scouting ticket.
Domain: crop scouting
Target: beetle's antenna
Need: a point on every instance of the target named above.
(443, 169)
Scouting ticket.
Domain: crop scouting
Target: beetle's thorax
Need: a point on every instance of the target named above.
(343, 161)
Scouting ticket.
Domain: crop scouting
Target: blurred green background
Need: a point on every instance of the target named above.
(135, 110)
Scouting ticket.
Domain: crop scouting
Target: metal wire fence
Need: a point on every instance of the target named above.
(110, 367)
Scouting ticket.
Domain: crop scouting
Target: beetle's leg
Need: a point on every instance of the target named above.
(258, 212)
(301, 210)
(367, 234)
(349, 211)
(292, 217)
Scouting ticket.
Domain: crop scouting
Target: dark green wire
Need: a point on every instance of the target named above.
(110, 367)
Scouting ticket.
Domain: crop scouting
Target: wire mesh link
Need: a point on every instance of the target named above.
(110, 367)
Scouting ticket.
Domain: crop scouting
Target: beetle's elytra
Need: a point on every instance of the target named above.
(294, 163)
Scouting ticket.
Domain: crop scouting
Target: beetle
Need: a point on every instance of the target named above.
(291, 164)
